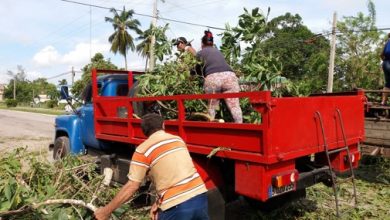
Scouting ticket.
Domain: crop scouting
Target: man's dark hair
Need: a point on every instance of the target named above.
(151, 123)
(388, 35)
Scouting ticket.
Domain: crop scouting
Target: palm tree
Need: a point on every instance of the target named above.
(143, 48)
(162, 44)
(121, 40)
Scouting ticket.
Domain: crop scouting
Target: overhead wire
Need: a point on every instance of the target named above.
(146, 15)
(58, 75)
(324, 34)
(63, 74)
(166, 20)
(188, 8)
(57, 30)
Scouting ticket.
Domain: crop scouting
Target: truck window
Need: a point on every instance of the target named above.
(86, 95)
(122, 90)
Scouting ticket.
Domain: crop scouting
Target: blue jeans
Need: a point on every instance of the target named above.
(195, 208)
(386, 70)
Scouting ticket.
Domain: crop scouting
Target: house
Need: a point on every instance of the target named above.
(2, 89)
(41, 99)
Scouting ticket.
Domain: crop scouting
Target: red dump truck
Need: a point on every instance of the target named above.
(301, 141)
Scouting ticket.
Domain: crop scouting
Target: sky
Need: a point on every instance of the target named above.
(49, 37)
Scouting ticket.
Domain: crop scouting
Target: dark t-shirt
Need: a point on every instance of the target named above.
(386, 50)
(213, 61)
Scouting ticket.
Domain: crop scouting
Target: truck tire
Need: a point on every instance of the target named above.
(61, 147)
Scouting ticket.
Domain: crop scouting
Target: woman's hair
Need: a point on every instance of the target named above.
(388, 35)
(208, 39)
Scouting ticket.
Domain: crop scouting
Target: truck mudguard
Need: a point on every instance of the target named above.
(70, 124)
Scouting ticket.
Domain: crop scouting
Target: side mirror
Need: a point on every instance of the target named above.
(64, 92)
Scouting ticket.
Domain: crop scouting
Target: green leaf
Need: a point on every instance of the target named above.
(5, 206)
(7, 192)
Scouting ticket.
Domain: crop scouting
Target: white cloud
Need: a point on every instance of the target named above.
(33, 75)
(82, 51)
(47, 56)
(80, 55)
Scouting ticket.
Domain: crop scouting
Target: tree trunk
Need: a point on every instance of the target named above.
(146, 63)
(125, 61)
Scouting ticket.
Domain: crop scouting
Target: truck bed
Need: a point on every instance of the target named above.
(290, 127)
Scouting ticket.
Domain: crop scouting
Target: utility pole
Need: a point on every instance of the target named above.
(73, 74)
(332, 55)
(153, 37)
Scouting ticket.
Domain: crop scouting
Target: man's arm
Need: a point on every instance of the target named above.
(121, 197)
(191, 50)
(383, 51)
(383, 55)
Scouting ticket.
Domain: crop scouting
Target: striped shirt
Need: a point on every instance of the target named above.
(170, 166)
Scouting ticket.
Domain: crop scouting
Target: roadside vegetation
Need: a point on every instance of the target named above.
(33, 188)
(49, 111)
(279, 54)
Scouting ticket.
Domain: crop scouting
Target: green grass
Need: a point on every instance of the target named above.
(35, 110)
(373, 195)
(372, 182)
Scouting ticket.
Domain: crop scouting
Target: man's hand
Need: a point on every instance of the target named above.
(102, 214)
(154, 212)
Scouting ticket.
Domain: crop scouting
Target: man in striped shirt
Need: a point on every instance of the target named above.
(165, 158)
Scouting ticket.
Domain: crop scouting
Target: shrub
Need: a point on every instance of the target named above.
(11, 103)
(51, 103)
(61, 106)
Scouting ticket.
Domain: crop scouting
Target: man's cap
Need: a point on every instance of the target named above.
(180, 40)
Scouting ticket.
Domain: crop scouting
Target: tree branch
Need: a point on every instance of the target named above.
(35, 206)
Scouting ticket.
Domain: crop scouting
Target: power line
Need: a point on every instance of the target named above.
(149, 16)
(57, 30)
(58, 75)
(327, 33)
(63, 74)
(323, 34)
(189, 8)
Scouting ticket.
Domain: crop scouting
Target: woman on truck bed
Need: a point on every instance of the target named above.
(219, 77)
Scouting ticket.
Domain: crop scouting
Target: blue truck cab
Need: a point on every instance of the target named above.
(75, 133)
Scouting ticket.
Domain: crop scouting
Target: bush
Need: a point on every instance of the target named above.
(11, 103)
(61, 106)
(51, 103)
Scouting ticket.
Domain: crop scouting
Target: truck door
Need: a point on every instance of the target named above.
(86, 116)
(119, 88)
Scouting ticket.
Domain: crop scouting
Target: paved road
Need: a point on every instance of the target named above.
(20, 129)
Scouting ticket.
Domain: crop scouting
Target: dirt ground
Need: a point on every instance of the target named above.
(21, 129)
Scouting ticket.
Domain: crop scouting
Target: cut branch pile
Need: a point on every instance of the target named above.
(33, 188)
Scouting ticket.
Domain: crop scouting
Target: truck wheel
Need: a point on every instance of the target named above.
(61, 147)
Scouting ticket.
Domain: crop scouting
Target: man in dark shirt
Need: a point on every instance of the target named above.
(385, 56)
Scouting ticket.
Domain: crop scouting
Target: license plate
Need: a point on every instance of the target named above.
(283, 189)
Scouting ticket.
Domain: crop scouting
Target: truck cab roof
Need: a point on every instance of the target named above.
(109, 77)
